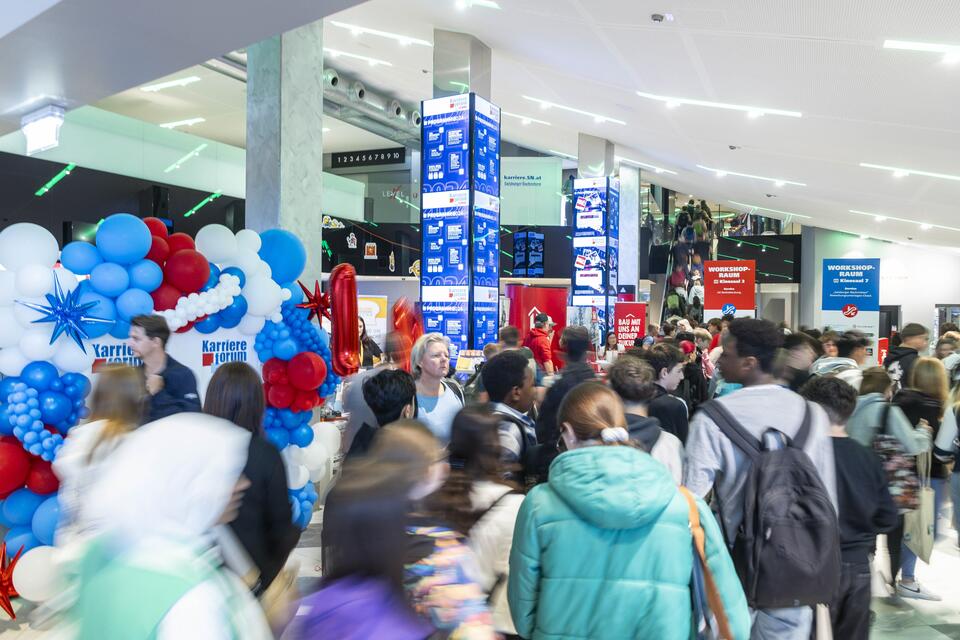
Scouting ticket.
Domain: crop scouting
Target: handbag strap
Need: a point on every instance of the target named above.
(699, 542)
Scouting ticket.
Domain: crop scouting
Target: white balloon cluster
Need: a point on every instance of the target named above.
(264, 297)
(28, 253)
(314, 462)
(191, 307)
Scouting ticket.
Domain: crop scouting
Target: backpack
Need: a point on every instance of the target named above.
(530, 455)
(787, 549)
(899, 466)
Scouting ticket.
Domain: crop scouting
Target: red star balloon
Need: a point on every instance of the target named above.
(7, 589)
(318, 303)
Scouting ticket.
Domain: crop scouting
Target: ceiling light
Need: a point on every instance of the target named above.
(753, 112)
(655, 168)
(55, 179)
(525, 119)
(880, 217)
(900, 172)
(777, 181)
(463, 5)
(951, 52)
(210, 198)
(176, 165)
(326, 130)
(546, 104)
(863, 236)
(189, 122)
(561, 154)
(42, 128)
(373, 62)
(400, 39)
(753, 206)
(180, 82)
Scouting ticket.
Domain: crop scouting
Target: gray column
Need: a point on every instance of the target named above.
(594, 157)
(630, 217)
(285, 139)
(461, 64)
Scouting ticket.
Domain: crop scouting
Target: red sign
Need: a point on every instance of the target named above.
(630, 322)
(729, 287)
(527, 302)
(850, 310)
(883, 346)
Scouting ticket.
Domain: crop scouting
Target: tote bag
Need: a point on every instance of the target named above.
(918, 524)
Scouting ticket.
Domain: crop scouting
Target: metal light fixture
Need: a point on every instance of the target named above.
(42, 128)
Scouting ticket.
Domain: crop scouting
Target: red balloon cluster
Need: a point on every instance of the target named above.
(293, 385)
(407, 322)
(185, 270)
(19, 469)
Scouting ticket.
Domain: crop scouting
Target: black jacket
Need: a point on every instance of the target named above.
(179, 393)
(864, 504)
(899, 364)
(548, 431)
(643, 430)
(264, 523)
(671, 411)
(917, 406)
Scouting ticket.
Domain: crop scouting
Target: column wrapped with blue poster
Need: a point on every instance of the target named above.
(596, 230)
(851, 297)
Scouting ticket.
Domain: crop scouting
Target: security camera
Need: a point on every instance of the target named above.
(331, 78)
(732, 147)
(357, 91)
(657, 17)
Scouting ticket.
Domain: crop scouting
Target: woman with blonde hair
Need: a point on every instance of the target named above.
(612, 529)
(438, 398)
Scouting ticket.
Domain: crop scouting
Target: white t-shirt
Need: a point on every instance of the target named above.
(437, 413)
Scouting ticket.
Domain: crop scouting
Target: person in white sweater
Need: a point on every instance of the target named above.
(477, 502)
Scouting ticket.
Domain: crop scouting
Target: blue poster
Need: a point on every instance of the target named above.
(486, 147)
(853, 281)
(446, 144)
(596, 245)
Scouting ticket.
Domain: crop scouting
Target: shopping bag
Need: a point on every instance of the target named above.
(918, 524)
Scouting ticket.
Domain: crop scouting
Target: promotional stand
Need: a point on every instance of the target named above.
(596, 230)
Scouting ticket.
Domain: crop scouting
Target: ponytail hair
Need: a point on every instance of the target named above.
(595, 413)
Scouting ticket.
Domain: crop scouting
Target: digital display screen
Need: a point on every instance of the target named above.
(777, 257)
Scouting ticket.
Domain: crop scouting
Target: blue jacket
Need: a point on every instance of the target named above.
(604, 551)
(179, 393)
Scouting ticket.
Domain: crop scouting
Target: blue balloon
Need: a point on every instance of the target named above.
(208, 325)
(280, 438)
(285, 254)
(296, 293)
(104, 309)
(289, 419)
(56, 385)
(120, 330)
(123, 238)
(20, 538)
(6, 524)
(295, 509)
(302, 436)
(324, 339)
(79, 381)
(145, 274)
(236, 310)
(235, 271)
(285, 349)
(6, 386)
(39, 375)
(20, 505)
(109, 279)
(133, 303)
(214, 277)
(45, 520)
(80, 257)
(55, 407)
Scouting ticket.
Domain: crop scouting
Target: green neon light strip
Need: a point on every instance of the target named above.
(210, 198)
(415, 228)
(752, 244)
(371, 223)
(326, 247)
(55, 179)
(505, 253)
(788, 261)
(505, 230)
(776, 275)
(723, 255)
(194, 153)
(407, 202)
(508, 272)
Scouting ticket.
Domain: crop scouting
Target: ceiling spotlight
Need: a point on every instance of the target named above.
(951, 52)
(357, 30)
(597, 117)
(923, 225)
(721, 174)
(373, 62)
(901, 172)
(655, 168)
(926, 227)
(753, 115)
(739, 244)
(670, 100)
(160, 86)
(42, 128)
(778, 183)
(525, 120)
(753, 206)
(189, 122)
(879, 218)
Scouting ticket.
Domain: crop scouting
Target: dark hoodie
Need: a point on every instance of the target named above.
(899, 364)
(643, 430)
(916, 406)
(672, 413)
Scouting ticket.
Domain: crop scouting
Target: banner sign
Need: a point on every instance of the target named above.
(373, 310)
(596, 230)
(630, 322)
(528, 254)
(851, 297)
(729, 288)
(371, 158)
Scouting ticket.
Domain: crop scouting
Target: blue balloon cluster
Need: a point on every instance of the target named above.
(294, 335)
(121, 278)
(301, 503)
(41, 396)
(285, 427)
(31, 519)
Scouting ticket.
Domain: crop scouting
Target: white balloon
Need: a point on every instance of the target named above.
(277, 317)
(248, 239)
(35, 344)
(291, 454)
(193, 296)
(285, 294)
(34, 280)
(10, 329)
(329, 435)
(248, 262)
(38, 576)
(297, 476)
(68, 279)
(264, 270)
(70, 357)
(216, 242)
(251, 325)
(12, 361)
(263, 296)
(26, 243)
(26, 315)
(8, 288)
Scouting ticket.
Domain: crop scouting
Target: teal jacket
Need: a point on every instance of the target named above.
(604, 551)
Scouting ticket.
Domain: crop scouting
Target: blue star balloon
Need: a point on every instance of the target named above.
(66, 312)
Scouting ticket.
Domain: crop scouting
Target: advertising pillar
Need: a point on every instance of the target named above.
(460, 220)
(729, 288)
(596, 230)
(851, 297)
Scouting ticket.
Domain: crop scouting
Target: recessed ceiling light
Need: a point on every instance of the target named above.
(900, 172)
(753, 206)
(373, 62)
(160, 86)
(655, 168)
(864, 236)
(463, 5)
(753, 112)
(400, 39)
(923, 225)
(326, 130)
(777, 181)
(525, 120)
(951, 52)
(599, 118)
(189, 122)
(561, 154)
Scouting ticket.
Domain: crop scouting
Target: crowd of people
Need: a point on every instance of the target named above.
(725, 481)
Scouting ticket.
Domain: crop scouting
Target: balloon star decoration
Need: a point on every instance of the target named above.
(318, 303)
(7, 589)
(66, 312)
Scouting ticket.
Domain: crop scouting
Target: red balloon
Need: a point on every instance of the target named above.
(165, 297)
(345, 340)
(305, 400)
(179, 242)
(187, 327)
(14, 466)
(275, 371)
(156, 226)
(307, 371)
(41, 478)
(281, 396)
(187, 270)
(159, 250)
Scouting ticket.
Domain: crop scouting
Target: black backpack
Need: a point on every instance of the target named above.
(787, 549)
(530, 456)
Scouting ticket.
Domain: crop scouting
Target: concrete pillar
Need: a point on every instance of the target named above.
(594, 157)
(461, 64)
(630, 217)
(285, 139)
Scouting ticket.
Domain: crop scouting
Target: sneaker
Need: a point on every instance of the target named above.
(916, 591)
